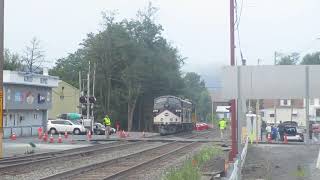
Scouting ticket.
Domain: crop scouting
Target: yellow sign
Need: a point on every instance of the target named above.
(1, 122)
(1, 109)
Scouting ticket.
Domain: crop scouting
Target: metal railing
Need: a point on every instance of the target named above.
(21, 131)
(236, 167)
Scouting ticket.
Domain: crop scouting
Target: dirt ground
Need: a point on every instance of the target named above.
(281, 162)
(214, 165)
(217, 163)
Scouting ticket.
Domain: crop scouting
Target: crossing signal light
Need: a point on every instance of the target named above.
(82, 99)
(92, 99)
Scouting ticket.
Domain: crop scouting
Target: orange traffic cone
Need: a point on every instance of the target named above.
(66, 135)
(40, 132)
(59, 139)
(45, 137)
(89, 136)
(51, 139)
(285, 139)
(123, 134)
(13, 136)
(269, 138)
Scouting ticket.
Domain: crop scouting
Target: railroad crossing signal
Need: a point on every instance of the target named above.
(83, 99)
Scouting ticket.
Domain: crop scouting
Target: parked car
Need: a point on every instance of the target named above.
(293, 134)
(61, 126)
(100, 129)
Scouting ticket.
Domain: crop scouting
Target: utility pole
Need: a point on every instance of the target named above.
(275, 101)
(93, 90)
(80, 89)
(1, 73)
(212, 118)
(88, 96)
(234, 148)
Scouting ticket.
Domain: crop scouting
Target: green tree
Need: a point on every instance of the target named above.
(12, 61)
(135, 64)
(311, 59)
(290, 59)
(33, 56)
(196, 90)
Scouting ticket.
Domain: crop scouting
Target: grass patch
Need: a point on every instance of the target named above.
(190, 169)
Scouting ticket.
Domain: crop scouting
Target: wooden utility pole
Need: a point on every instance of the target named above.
(234, 148)
(1, 73)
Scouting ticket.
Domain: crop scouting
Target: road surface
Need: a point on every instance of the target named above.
(281, 162)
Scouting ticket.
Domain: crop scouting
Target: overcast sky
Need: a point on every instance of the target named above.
(199, 28)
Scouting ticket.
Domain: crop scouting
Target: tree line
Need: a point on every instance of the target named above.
(31, 60)
(294, 59)
(134, 64)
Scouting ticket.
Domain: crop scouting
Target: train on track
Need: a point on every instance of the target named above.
(172, 114)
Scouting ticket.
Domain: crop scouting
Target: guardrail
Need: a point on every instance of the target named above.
(20, 131)
(236, 167)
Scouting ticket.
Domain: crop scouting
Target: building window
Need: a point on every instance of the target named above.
(35, 116)
(28, 78)
(317, 112)
(271, 115)
(285, 102)
(311, 101)
(43, 80)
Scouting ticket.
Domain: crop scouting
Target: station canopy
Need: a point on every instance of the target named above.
(271, 82)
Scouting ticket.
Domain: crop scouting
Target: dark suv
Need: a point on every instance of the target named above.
(292, 134)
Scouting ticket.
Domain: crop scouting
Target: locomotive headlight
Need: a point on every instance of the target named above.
(171, 119)
(155, 110)
(161, 119)
(178, 110)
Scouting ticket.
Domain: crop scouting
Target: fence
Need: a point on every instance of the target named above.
(20, 131)
(236, 167)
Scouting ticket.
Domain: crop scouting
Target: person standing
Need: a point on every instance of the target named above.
(222, 126)
(268, 129)
(281, 131)
(107, 123)
(310, 130)
(262, 129)
(274, 133)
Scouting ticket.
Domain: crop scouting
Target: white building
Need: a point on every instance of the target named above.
(275, 111)
(314, 110)
(27, 98)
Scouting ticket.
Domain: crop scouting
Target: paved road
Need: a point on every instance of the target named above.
(281, 162)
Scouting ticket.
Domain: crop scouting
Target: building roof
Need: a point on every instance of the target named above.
(24, 78)
(67, 84)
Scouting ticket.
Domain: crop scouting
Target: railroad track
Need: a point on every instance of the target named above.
(84, 151)
(120, 167)
(187, 135)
